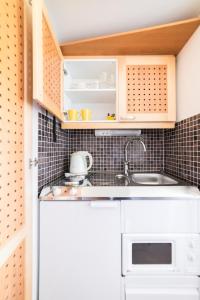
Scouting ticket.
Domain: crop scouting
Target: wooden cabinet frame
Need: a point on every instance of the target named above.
(40, 15)
(157, 120)
(16, 146)
(144, 63)
(143, 120)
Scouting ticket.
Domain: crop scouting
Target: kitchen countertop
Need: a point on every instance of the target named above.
(104, 187)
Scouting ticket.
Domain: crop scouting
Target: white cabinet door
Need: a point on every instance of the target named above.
(162, 294)
(183, 216)
(80, 251)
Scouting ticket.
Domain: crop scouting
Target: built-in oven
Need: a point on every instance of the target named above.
(161, 254)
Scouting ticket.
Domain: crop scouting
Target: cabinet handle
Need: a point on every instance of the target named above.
(128, 118)
(100, 204)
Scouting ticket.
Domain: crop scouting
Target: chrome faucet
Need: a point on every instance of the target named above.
(126, 161)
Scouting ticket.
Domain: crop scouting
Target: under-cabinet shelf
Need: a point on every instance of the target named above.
(92, 121)
(104, 124)
(90, 95)
(91, 90)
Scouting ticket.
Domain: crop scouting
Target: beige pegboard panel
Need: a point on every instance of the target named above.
(11, 118)
(51, 66)
(12, 276)
(147, 89)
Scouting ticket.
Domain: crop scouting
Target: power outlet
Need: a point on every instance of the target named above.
(125, 132)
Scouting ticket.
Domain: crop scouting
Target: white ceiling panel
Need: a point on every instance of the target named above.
(80, 19)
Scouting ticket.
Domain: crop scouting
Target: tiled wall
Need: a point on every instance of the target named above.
(177, 151)
(182, 150)
(107, 152)
(52, 155)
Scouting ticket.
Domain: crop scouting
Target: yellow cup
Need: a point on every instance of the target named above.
(86, 114)
(72, 115)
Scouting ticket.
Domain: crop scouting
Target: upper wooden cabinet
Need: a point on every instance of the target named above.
(147, 89)
(47, 63)
(138, 90)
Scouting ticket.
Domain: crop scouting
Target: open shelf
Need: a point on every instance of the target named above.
(90, 90)
(91, 84)
(90, 96)
(88, 122)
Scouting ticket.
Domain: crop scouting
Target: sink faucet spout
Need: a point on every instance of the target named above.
(126, 161)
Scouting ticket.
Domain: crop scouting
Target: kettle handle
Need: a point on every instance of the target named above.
(87, 154)
(90, 161)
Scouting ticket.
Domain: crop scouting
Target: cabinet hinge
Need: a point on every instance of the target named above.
(33, 162)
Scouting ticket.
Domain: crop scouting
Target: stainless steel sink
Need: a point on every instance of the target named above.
(152, 179)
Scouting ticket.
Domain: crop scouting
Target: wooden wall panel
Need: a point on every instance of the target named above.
(12, 276)
(11, 118)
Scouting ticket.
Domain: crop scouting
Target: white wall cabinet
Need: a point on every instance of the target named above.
(80, 251)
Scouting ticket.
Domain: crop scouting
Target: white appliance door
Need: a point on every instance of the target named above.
(143, 254)
(80, 250)
(162, 294)
(161, 254)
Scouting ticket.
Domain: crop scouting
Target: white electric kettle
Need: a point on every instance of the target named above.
(78, 163)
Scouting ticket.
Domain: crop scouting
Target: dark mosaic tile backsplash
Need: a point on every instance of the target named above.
(52, 156)
(107, 152)
(182, 150)
(177, 151)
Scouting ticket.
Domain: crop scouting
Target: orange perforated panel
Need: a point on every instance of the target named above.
(11, 118)
(146, 88)
(51, 66)
(12, 276)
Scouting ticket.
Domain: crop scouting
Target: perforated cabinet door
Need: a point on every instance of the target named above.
(12, 276)
(47, 63)
(11, 119)
(11, 149)
(147, 88)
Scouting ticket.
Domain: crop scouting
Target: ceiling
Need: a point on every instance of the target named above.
(80, 19)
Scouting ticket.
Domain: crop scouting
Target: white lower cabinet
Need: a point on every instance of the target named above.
(80, 251)
(162, 294)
